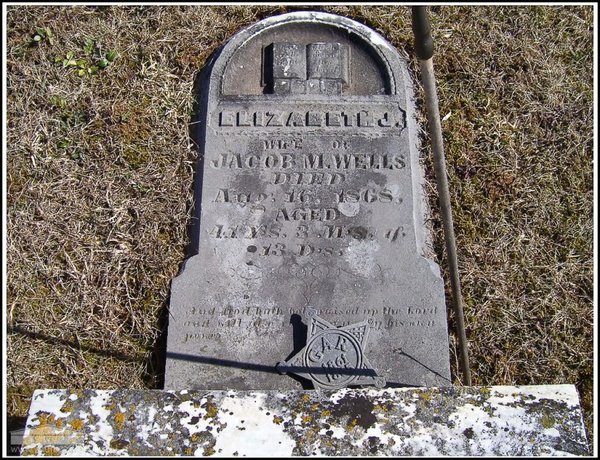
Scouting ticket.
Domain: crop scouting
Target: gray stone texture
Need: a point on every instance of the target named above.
(467, 421)
(309, 195)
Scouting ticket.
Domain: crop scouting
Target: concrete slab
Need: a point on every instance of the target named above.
(498, 420)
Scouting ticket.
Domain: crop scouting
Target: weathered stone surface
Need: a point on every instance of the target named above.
(309, 194)
(512, 421)
(334, 357)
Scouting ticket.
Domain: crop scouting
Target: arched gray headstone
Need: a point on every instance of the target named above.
(309, 195)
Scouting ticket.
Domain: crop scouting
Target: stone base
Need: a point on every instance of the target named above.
(498, 420)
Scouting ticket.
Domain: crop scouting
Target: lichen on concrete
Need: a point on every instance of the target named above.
(533, 420)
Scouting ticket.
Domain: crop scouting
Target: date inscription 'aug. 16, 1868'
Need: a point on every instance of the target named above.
(309, 193)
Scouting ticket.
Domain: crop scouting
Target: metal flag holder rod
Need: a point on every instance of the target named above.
(424, 51)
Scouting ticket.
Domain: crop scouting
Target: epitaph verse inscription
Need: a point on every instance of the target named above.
(307, 197)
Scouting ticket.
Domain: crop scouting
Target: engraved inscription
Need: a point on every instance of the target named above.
(317, 194)
(310, 161)
(300, 192)
(311, 118)
(333, 356)
(213, 321)
(331, 350)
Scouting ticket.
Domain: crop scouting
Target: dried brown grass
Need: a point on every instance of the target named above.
(100, 172)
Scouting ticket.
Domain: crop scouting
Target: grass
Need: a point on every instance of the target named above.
(99, 180)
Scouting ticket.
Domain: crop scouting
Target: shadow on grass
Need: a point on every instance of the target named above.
(157, 362)
(155, 370)
(72, 344)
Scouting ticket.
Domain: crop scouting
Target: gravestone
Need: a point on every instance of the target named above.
(308, 198)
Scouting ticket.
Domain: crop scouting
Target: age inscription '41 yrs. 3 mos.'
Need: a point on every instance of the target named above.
(309, 196)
